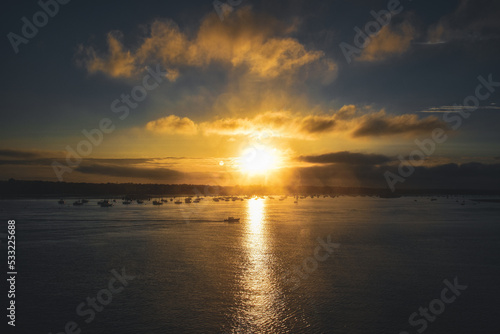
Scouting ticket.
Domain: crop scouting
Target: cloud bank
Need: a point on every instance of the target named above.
(348, 158)
(356, 122)
(257, 43)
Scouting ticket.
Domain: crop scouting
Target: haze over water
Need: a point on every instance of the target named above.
(195, 273)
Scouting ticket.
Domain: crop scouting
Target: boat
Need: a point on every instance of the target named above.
(178, 202)
(196, 200)
(77, 203)
(105, 203)
(232, 220)
(83, 200)
(127, 202)
(61, 201)
(215, 199)
(187, 200)
(157, 203)
(139, 201)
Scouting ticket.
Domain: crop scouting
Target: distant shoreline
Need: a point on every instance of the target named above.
(46, 189)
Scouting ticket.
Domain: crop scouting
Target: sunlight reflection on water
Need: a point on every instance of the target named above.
(259, 290)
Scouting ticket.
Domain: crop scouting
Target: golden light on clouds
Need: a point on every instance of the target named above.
(172, 125)
(259, 44)
(389, 42)
(349, 121)
(118, 63)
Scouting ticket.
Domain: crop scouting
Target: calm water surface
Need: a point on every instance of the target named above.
(196, 274)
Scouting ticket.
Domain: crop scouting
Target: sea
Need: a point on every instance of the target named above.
(353, 265)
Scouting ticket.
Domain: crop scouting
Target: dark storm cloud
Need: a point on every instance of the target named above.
(347, 158)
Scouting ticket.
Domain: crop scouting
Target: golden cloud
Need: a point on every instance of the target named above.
(389, 42)
(282, 124)
(172, 125)
(257, 43)
(356, 122)
(118, 63)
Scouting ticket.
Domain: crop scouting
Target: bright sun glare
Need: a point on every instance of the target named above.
(258, 160)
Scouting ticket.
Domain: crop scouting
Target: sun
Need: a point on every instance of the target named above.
(258, 160)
